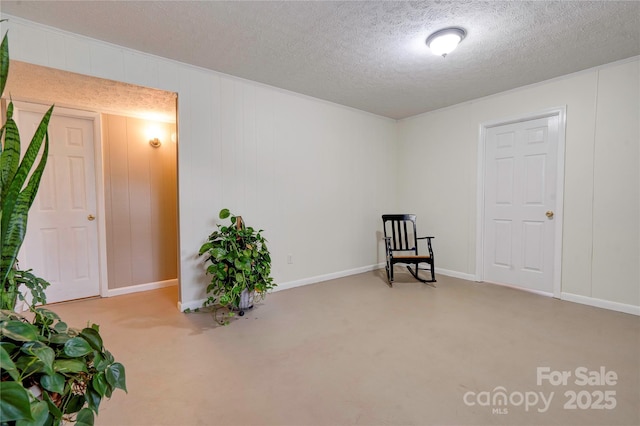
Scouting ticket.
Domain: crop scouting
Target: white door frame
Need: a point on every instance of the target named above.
(96, 118)
(561, 113)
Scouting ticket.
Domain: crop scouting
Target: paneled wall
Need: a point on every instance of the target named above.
(140, 201)
(601, 235)
(315, 176)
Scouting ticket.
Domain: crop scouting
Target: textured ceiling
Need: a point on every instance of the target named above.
(367, 55)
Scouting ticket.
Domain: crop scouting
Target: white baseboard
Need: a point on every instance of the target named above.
(326, 277)
(195, 304)
(192, 305)
(515, 287)
(140, 287)
(455, 274)
(601, 303)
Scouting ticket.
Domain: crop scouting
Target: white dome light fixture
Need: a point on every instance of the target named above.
(444, 41)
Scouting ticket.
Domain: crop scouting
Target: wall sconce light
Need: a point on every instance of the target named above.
(444, 41)
(155, 142)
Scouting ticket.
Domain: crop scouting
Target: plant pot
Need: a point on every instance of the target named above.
(246, 300)
(19, 307)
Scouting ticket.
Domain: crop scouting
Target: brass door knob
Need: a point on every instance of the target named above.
(91, 217)
(549, 214)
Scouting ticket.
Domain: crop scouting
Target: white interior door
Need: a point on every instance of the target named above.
(61, 244)
(521, 164)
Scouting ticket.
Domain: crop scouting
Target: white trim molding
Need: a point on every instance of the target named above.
(195, 304)
(455, 274)
(601, 303)
(515, 287)
(326, 277)
(141, 287)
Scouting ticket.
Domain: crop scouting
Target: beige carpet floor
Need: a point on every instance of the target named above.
(354, 351)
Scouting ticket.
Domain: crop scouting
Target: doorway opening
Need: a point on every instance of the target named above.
(135, 212)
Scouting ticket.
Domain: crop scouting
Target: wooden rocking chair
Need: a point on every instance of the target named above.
(401, 242)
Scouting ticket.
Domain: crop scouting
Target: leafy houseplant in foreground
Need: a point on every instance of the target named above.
(52, 373)
(18, 187)
(239, 263)
(49, 373)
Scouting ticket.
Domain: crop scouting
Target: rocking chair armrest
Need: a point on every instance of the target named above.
(387, 246)
(428, 244)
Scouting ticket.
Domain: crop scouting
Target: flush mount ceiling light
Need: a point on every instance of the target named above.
(444, 41)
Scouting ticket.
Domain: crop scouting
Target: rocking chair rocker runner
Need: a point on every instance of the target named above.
(401, 242)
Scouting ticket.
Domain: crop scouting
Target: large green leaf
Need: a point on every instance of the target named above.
(61, 327)
(93, 399)
(205, 247)
(8, 346)
(100, 384)
(85, 417)
(218, 253)
(39, 412)
(99, 363)
(69, 366)
(29, 365)
(12, 238)
(53, 383)
(55, 411)
(77, 347)
(14, 402)
(8, 365)
(93, 338)
(4, 62)
(59, 339)
(34, 181)
(10, 154)
(74, 404)
(19, 331)
(17, 201)
(41, 351)
(116, 376)
(30, 156)
(47, 314)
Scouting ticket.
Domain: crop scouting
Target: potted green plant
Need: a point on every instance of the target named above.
(52, 373)
(49, 372)
(239, 263)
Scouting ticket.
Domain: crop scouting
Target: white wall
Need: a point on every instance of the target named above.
(601, 238)
(315, 175)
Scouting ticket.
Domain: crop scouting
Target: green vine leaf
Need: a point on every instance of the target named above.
(69, 366)
(8, 365)
(100, 384)
(93, 338)
(116, 376)
(15, 403)
(19, 331)
(85, 417)
(53, 383)
(77, 347)
(39, 412)
(43, 352)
